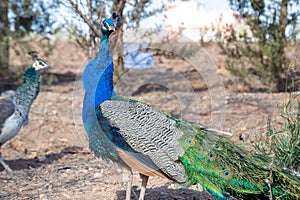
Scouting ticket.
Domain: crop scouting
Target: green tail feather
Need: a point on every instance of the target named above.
(225, 169)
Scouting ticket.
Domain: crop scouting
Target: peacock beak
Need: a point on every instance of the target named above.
(111, 28)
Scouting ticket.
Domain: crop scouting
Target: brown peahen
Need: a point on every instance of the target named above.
(14, 109)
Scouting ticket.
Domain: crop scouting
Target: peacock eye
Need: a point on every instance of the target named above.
(189, 142)
(211, 156)
(226, 173)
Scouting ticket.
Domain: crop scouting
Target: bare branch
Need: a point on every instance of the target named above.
(85, 19)
(92, 36)
(89, 8)
(132, 4)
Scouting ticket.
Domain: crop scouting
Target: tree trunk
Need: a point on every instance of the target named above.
(118, 43)
(280, 82)
(92, 35)
(283, 18)
(4, 40)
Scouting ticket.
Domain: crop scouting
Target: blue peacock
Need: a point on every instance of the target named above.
(14, 109)
(140, 137)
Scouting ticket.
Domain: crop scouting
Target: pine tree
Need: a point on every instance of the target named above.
(273, 25)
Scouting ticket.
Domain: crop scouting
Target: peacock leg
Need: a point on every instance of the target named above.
(6, 167)
(144, 186)
(127, 178)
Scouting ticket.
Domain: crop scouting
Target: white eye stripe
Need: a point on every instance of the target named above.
(107, 25)
(40, 64)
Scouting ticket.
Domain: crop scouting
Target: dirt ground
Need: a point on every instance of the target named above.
(50, 156)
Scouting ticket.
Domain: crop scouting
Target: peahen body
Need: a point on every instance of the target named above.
(14, 109)
(154, 144)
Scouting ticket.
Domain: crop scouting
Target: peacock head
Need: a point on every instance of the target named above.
(108, 26)
(38, 64)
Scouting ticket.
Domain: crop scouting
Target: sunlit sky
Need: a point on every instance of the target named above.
(218, 6)
(215, 5)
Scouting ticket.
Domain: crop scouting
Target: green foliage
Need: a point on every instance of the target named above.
(283, 144)
(31, 20)
(293, 83)
(261, 56)
(22, 22)
(4, 39)
(30, 15)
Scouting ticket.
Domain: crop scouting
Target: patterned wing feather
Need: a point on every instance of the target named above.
(7, 108)
(149, 132)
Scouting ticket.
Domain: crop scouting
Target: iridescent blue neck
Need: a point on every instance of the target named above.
(103, 49)
(98, 76)
(105, 85)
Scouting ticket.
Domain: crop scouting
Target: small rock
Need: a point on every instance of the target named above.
(243, 128)
(54, 112)
(97, 175)
(42, 159)
(43, 197)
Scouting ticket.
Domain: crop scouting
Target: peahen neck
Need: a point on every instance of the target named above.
(28, 91)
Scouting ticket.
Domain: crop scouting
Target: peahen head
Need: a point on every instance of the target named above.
(107, 26)
(33, 72)
(38, 64)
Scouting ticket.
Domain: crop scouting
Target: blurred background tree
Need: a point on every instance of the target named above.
(19, 19)
(263, 56)
(4, 42)
(91, 13)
